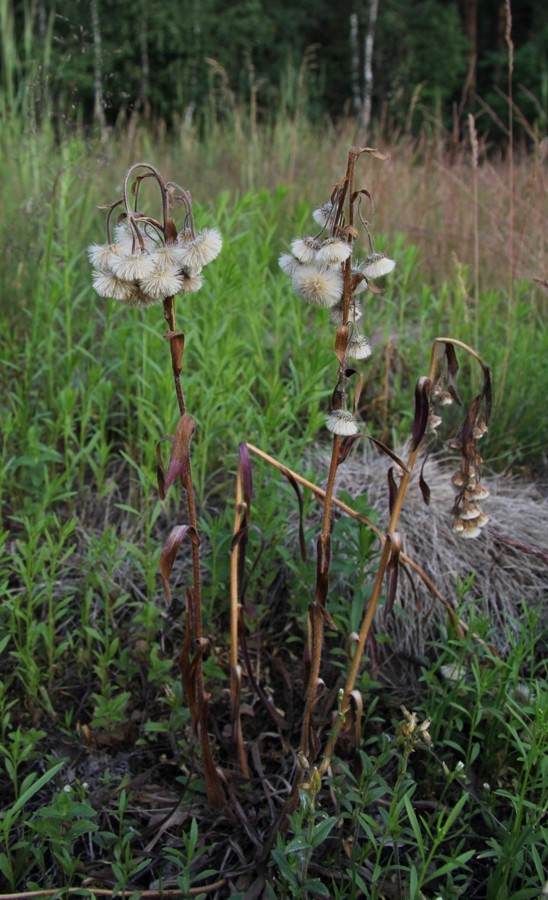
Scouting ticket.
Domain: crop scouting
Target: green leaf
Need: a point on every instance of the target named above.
(414, 824)
(455, 812)
(455, 863)
(413, 883)
(322, 830)
(10, 814)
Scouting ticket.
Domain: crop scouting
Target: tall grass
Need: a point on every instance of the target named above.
(87, 646)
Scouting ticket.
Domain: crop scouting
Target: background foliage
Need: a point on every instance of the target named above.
(173, 61)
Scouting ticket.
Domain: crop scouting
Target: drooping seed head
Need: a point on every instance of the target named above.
(358, 347)
(333, 252)
(342, 422)
(133, 267)
(377, 265)
(322, 287)
(109, 286)
(160, 285)
(355, 313)
(305, 249)
(288, 264)
(324, 214)
(200, 250)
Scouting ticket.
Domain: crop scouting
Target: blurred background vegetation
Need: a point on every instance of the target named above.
(394, 62)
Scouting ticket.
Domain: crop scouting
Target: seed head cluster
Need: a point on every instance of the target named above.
(145, 261)
(321, 269)
(139, 269)
(468, 516)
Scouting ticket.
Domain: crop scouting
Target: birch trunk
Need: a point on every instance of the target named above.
(362, 78)
(98, 107)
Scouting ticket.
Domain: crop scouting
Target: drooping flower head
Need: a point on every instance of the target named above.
(145, 260)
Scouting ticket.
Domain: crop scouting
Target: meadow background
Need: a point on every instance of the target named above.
(253, 110)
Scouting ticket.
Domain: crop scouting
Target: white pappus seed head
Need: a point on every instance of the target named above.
(358, 347)
(201, 250)
(102, 256)
(322, 287)
(377, 265)
(355, 313)
(111, 287)
(133, 267)
(288, 264)
(333, 252)
(126, 237)
(304, 249)
(340, 421)
(191, 284)
(160, 285)
(323, 214)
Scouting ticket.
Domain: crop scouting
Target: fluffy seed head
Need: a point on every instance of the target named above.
(201, 250)
(160, 285)
(340, 421)
(377, 265)
(323, 214)
(134, 267)
(354, 313)
(108, 285)
(358, 347)
(305, 249)
(101, 256)
(469, 511)
(191, 284)
(288, 264)
(322, 287)
(333, 252)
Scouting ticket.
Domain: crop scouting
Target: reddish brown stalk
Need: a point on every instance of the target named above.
(316, 618)
(215, 792)
(235, 615)
(386, 556)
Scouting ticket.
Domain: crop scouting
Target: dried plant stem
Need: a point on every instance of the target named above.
(316, 611)
(343, 192)
(105, 892)
(235, 618)
(458, 624)
(386, 554)
(215, 792)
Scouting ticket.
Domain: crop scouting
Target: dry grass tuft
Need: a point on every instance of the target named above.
(505, 568)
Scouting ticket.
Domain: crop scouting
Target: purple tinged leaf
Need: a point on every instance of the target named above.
(425, 490)
(392, 571)
(422, 408)
(169, 553)
(180, 452)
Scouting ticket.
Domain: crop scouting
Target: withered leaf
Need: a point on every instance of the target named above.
(392, 489)
(180, 451)
(374, 152)
(160, 471)
(171, 547)
(365, 194)
(422, 408)
(388, 452)
(392, 571)
(425, 490)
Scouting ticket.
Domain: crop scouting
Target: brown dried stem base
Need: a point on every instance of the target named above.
(195, 642)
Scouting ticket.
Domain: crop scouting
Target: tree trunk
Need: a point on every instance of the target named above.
(98, 107)
(362, 79)
(365, 116)
(355, 65)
